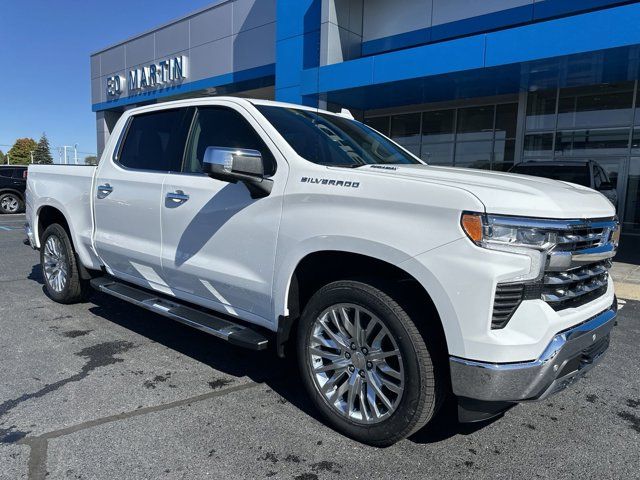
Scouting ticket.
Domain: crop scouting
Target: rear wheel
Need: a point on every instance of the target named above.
(60, 268)
(365, 364)
(11, 203)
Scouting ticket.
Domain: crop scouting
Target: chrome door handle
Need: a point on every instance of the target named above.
(178, 197)
(104, 190)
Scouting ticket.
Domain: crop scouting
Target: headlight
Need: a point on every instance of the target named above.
(494, 230)
(513, 235)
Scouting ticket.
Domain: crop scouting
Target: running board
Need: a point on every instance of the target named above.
(209, 323)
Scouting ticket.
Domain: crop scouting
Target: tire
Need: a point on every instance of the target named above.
(11, 203)
(421, 392)
(60, 268)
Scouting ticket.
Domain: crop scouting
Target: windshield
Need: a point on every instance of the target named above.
(332, 140)
(567, 173)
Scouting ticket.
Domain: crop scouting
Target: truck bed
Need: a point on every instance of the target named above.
(66, 188)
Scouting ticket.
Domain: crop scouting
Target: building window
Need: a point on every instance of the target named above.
(592, 142)
(477, 137)
(541, 110)
(438, 134)
(601, 105)
(380, 124)
(538, 145)
(405, 129)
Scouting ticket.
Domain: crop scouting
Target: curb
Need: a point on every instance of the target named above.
(627, 291)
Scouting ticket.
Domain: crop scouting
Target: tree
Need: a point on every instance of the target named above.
(42, 153)
(91, 160)
(3, 158)
(20, 153)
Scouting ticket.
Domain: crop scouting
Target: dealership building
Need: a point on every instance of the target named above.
(478, 84)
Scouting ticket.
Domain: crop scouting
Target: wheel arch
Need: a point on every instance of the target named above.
(12, 190)
(48, 215)
(320, 267)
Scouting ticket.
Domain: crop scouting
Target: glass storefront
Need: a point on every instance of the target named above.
(593, 123)
(599, 123)
(476, 137)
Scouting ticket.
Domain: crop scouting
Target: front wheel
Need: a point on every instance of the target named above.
(365, 364)
(60, 268)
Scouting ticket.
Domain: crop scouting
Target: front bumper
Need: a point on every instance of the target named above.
(569, 355)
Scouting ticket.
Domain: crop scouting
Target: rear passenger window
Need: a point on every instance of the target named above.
(223, 127)
(6, 172)
(155, 141)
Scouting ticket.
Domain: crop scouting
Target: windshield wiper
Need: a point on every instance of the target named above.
(346, 166)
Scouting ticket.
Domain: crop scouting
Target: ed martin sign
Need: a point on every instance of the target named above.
(161, 74)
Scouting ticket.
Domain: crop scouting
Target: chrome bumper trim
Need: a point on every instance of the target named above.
(562, 362)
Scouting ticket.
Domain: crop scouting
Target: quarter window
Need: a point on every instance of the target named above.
(223, 127)
(6, 172)
(155, 141)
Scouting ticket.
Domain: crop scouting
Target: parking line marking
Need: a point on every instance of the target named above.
(6, 229)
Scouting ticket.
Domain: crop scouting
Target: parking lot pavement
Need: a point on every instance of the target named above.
(103, 390)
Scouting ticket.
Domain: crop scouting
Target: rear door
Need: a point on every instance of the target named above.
(128, 195)
(219, 244)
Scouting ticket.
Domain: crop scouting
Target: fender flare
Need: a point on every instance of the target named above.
(401, 260)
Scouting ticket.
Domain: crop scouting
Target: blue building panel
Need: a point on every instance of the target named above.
(599, 30)
(509, 17)
(580, 34)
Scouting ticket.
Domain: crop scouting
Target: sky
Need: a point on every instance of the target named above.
(44, 62)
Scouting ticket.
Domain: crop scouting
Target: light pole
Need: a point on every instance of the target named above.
(66, 159)
(75, 153)
(31, 152)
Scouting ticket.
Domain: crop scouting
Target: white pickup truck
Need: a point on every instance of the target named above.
(399, 285)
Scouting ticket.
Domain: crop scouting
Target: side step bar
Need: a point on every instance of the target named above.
(209, 323)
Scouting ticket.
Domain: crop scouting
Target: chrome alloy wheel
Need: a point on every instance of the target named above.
(356, 363)
(10, 204)
(55, 264)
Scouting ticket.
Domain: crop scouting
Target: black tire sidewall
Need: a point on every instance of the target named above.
(66, 293)
(387, 431)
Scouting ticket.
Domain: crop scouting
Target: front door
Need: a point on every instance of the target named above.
(128, 192)
(219, 244)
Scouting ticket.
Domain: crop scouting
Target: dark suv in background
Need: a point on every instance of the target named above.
(587, 173)
(13, 182)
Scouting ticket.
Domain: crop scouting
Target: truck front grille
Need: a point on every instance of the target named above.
(561, 289)
(575, 287)
(579, 239)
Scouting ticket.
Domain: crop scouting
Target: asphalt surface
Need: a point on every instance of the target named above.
(103, 390)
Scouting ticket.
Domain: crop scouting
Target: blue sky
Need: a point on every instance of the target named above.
(44, 60)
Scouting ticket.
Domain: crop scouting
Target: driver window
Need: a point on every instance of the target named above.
(223, 127)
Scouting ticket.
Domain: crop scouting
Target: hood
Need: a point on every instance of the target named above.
(508, 193)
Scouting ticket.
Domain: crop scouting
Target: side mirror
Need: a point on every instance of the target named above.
(606, 186)
(238, 164)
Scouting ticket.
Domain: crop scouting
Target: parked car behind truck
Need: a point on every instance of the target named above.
(13, 182)
(398, 285)
(587, 173)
